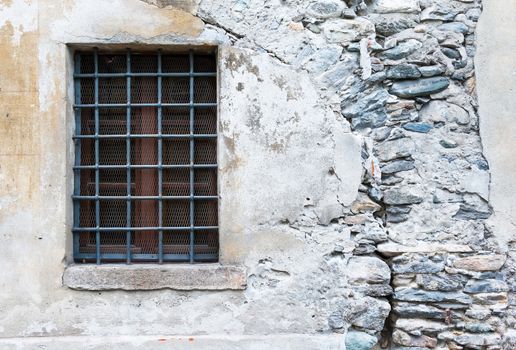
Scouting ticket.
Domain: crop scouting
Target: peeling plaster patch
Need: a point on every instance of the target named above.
(343, 179)
(348, 165)
(496, 86)
(289, 135)
(47, 85)
(21, 16)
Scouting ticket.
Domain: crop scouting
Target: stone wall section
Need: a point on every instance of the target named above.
(355, 182)
(403, 72)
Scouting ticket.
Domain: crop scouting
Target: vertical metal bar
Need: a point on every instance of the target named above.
(192, 159)
(128, 158)
(97, 172)
(160, 163)
(77, 173)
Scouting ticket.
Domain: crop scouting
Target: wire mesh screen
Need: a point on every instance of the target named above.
(146, 157)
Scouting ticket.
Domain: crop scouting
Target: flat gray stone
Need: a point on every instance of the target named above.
(466, 212)
(403, 195)
(486, 286)
(480, 262)
(374, 290)
(451, 53)
(150, 277)
(440, 12)
(367, 270)
(393, 249)
(421, 87)
(392, 23)
(403, 50)
(393, 149)
(419, 295)
(403, 71)
(326, 9)
(365, 102)
(418, 326)
(471, 339)
(430, 71)
(410, 310)
(416, 263)
(366, 312)
(401, 338)
(442, 282)
(359, 341)
(478, 327)
(457, 27)
(397, 166)
(417, 127)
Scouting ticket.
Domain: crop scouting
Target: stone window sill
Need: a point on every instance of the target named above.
(152, 277)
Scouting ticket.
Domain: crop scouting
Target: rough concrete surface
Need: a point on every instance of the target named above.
(496, 88)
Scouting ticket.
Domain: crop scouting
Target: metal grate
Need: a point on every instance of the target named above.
(146, 157)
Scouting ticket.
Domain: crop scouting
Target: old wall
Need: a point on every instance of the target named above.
(353, 185)
(271, 117)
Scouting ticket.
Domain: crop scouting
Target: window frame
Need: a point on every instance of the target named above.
(129, 256)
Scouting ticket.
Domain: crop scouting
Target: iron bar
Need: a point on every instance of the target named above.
(77, 173)
(157, 228)
(97, 155)
(127, 198)
(128, 156)
(123, 105)
(142, 136)
(160, 161)
(192, 158)
(149, 257)
(145, 75)
(147, 166)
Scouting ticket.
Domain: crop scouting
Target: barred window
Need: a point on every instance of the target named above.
(145, 172)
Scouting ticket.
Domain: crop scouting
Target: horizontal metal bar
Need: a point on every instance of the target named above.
(125, 105)
(143, 136)
(142, 197)
(141, 257)
(165, 228)
(125, 75)
(164, 166)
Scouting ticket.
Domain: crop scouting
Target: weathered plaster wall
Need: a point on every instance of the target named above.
(496, 88)
(271, 118)
(354, 187)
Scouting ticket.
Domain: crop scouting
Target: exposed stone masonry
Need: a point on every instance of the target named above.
(423, 267)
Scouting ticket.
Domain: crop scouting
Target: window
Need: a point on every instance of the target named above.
(145, 173)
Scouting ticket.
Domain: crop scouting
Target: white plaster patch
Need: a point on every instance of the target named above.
(476, 181)
(22, 15)
(348, 165)
(280, 136)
